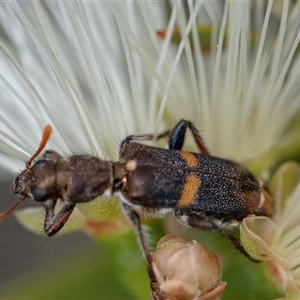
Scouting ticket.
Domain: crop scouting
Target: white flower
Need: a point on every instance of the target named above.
(276, 242)
(98, 72)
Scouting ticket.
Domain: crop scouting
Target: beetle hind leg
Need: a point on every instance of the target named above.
(203, 222)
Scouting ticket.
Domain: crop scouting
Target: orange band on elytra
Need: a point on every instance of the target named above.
(189, 158)
(189, 191)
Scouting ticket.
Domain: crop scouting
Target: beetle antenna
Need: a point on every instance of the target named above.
(7, 212)
(45, 138)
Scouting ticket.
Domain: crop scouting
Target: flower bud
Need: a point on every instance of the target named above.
(186, 270)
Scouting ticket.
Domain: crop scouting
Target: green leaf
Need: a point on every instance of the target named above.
(101, 208)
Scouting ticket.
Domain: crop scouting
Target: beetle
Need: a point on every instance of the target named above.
(202, 191)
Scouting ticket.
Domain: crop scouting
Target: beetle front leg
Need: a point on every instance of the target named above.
(177, 136)
(202, 222)
(49, 206)
(54, 222)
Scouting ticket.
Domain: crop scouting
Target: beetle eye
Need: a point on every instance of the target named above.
(118, 184)
(40, 195)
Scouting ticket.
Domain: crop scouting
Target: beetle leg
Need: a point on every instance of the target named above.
(141, 137)
(49, 206)
(54, 222)
(134, 217)
(177, 136)
(51, 155)
(144, 137)
(205, 223)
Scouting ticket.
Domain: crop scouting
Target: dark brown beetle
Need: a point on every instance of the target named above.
(202, 191)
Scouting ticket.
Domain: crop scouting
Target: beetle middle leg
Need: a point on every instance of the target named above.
(144, 137)
(177, 136)
(54, 222)
(134, 217)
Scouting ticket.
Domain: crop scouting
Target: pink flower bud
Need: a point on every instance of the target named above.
(186, 270)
